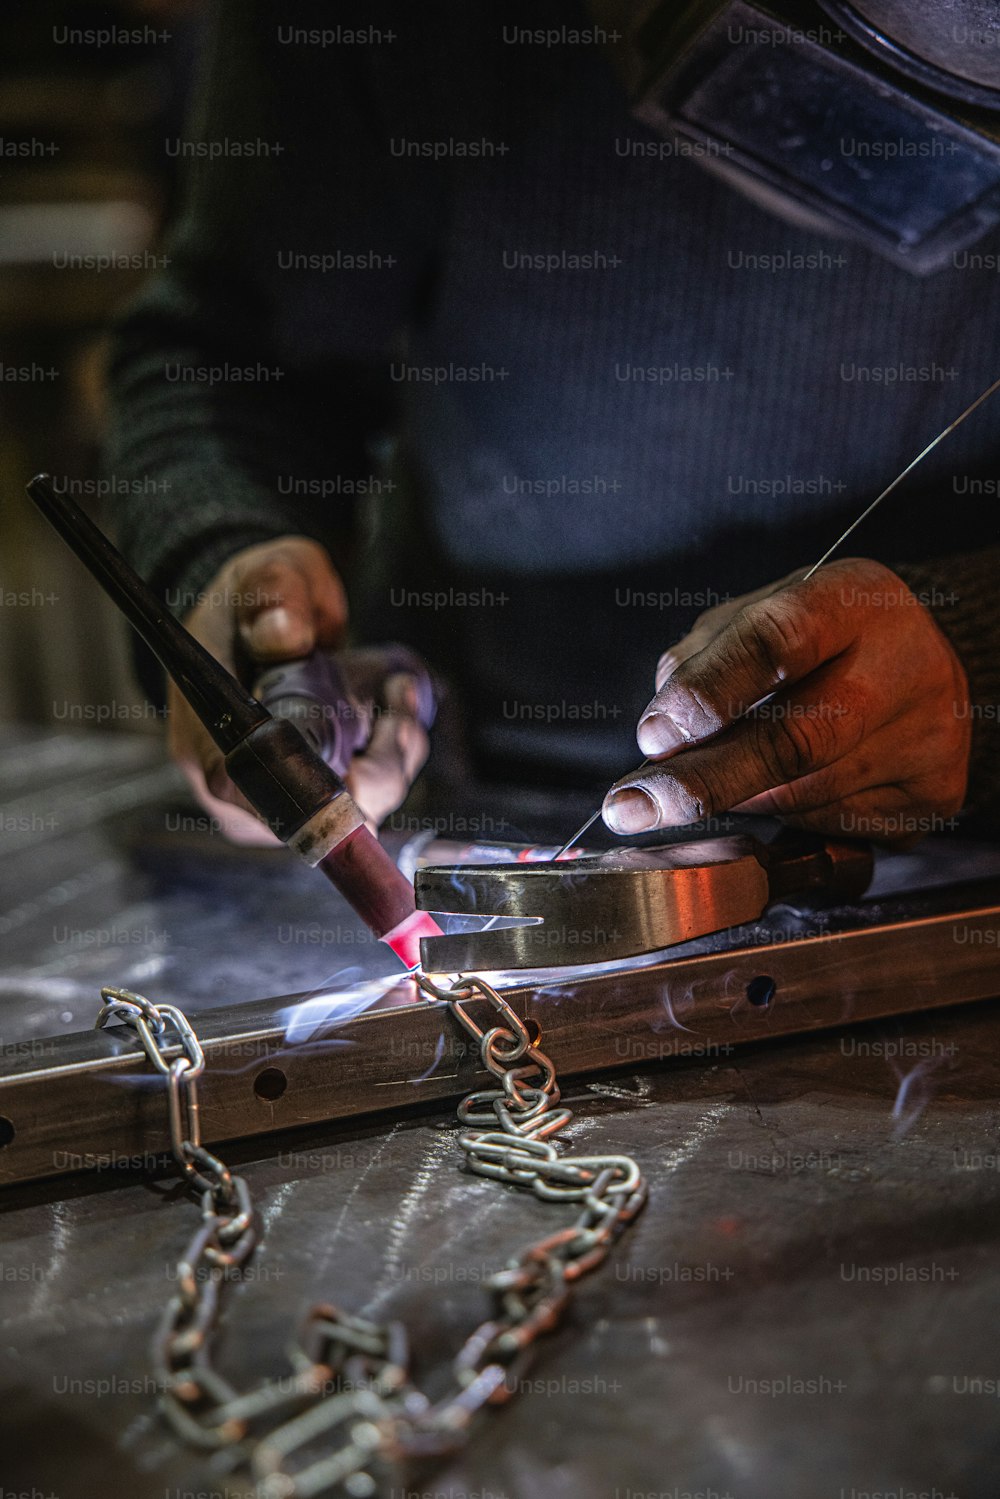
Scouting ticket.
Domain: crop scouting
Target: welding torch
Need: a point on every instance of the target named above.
(292, 788)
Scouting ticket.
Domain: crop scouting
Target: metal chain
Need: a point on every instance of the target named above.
(348, 1411)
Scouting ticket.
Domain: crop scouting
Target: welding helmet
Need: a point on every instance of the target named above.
(878, 120)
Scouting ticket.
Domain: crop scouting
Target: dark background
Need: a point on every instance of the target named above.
(82, 172)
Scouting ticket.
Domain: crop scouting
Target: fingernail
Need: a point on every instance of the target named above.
(657, 734)
(276, 629)
(268, 626)
(630, 811)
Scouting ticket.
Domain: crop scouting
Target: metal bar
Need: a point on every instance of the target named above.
(90, 1099)
(630, 901)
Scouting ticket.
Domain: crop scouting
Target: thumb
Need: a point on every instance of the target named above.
(279, 631)
(281, 607)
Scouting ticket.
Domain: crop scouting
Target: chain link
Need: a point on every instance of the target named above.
(348, 1413)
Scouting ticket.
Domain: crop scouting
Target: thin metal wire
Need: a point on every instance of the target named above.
(577, 835)
(830, 551)
(589, 823)
(900, 477)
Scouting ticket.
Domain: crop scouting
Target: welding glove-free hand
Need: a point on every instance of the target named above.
(275, 602)
(837, 704)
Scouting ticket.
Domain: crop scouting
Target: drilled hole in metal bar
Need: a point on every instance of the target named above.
(760, 991)
(270, 1083)
(6, 1131)
(534, 1031)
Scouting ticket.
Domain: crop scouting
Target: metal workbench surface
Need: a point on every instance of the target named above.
(807, 1307)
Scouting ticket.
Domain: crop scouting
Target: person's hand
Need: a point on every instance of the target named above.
(275, 602)
(836, 704)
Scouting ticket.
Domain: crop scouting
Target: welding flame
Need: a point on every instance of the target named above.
(342, 996)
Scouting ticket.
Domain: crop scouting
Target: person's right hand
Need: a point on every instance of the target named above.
(271, 602)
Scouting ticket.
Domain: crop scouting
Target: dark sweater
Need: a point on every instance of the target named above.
(610, 408)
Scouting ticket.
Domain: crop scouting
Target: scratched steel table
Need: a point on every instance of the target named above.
(807, 1307)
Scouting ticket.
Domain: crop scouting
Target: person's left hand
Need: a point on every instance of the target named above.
(836, 704)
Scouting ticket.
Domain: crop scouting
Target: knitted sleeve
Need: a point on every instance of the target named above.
(249, 378)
